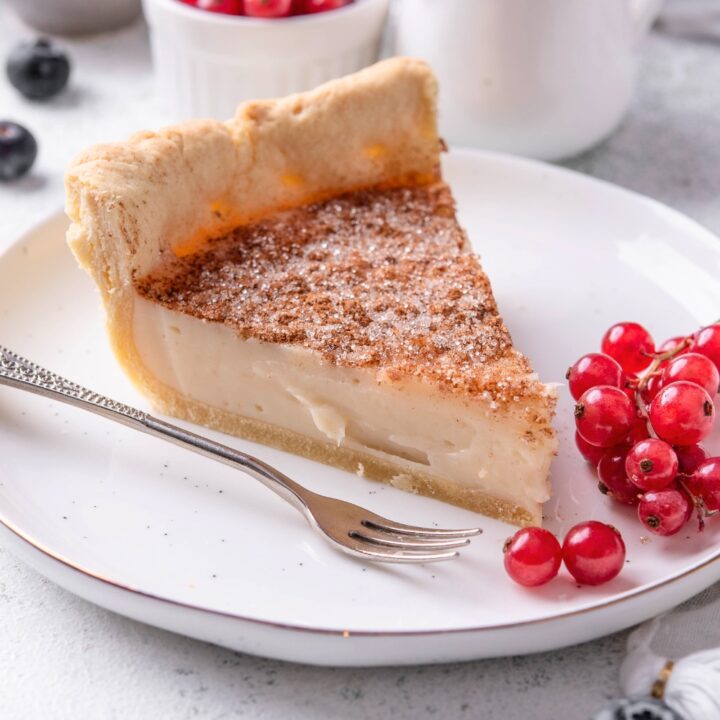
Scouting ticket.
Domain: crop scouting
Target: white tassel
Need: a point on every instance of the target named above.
(692, 687)
(641, 667)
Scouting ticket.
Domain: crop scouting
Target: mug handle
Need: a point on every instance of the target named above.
(644, 13)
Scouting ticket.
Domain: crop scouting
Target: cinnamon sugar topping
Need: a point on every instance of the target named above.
(379, 278)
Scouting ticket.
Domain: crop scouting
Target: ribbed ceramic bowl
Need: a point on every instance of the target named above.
(206, 63)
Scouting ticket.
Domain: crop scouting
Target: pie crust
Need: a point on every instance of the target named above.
(159, 202)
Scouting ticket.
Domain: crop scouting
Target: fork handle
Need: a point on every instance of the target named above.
(17, 372)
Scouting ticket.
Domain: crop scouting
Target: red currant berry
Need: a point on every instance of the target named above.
(267, 8)
(664, 512)
(673, 343)
(689, 499)
(532, 556)
(639, 431)
(591, 453)
(705, 483)
(316, 6)
(693, 367)
(631, 391)
(226, 7)
(593, 552)
(593, 370)
(682, 413)
(604, 415)
(628, 343)
(652, 388)
(651, 464)
(707, 342)
(613, 478)
(690, 458)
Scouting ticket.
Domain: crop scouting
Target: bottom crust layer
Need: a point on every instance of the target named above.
(352, 460)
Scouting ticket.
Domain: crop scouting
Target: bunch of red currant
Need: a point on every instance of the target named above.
(267, 8)
(641, 414)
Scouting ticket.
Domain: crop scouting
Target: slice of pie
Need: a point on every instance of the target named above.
(297, 276)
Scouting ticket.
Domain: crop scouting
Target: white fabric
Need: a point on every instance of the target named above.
(690, 636)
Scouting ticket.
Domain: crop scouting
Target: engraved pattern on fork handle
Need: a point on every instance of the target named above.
(21, 371)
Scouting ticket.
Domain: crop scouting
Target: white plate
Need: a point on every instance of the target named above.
(158, 534)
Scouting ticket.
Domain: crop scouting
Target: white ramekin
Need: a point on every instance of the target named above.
(207, 63)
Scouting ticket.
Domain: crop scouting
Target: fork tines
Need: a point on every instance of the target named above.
(381, 539)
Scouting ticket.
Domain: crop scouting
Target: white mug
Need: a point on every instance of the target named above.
(542, 78)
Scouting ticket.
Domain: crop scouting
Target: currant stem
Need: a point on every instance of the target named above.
(659, 358)
(700, 506)
(652, 371)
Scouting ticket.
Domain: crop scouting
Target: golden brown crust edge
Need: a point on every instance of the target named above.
(168, 191)
(159, 194)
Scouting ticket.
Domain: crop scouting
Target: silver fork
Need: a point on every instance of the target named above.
(348, 527)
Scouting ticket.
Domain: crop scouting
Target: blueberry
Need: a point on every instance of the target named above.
(18, 150)
(38, 70)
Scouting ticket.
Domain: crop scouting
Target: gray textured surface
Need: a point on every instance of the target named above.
(61, 657)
